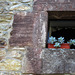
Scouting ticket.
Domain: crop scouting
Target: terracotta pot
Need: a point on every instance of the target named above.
(51, 45)
(65, 46)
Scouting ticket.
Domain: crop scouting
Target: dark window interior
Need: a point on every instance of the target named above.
(61, 23)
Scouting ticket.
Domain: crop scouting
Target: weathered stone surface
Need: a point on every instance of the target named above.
(10, 73)
(11, 60)
(12, 5)
(15, 73)
(58, 61)
(17, 53)
(6, 19)
(22, 29)
(53, 5)
(10, 64)
(29, 74)
(2, 52)
(32, 61)
(3, 42)
(20, 7)
(26, 65)
(30, 29)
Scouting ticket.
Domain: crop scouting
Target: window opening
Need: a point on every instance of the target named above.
(63, 27)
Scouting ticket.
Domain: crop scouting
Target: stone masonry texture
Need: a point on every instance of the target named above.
(12, 59)
(58, 61)
(23, 31)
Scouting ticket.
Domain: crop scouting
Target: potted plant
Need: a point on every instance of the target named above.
(63, 45)
(72, 43)
(57, 45)
(51, 42)
(61, 40)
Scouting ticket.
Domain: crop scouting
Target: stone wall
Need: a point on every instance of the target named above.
(13, 60)
(27, 19)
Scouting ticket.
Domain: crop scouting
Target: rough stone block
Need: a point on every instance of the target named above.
(16, 53)
(10, 73)
(15, 73)
(6, 19)
(4, 6)
(2, 52)
(22, 29)
(3, 42)
(3, 73)
(18, 5)
(58, 61)
(10, 64)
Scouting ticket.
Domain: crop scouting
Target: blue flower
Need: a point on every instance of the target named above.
(72, 41)
(52, 40)
(57, 44)
(61, 40)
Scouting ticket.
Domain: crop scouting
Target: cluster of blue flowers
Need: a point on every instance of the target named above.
(72, 42)
(53, 40)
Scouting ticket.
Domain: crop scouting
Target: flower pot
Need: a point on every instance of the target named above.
(65, 46)
(51, 45)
